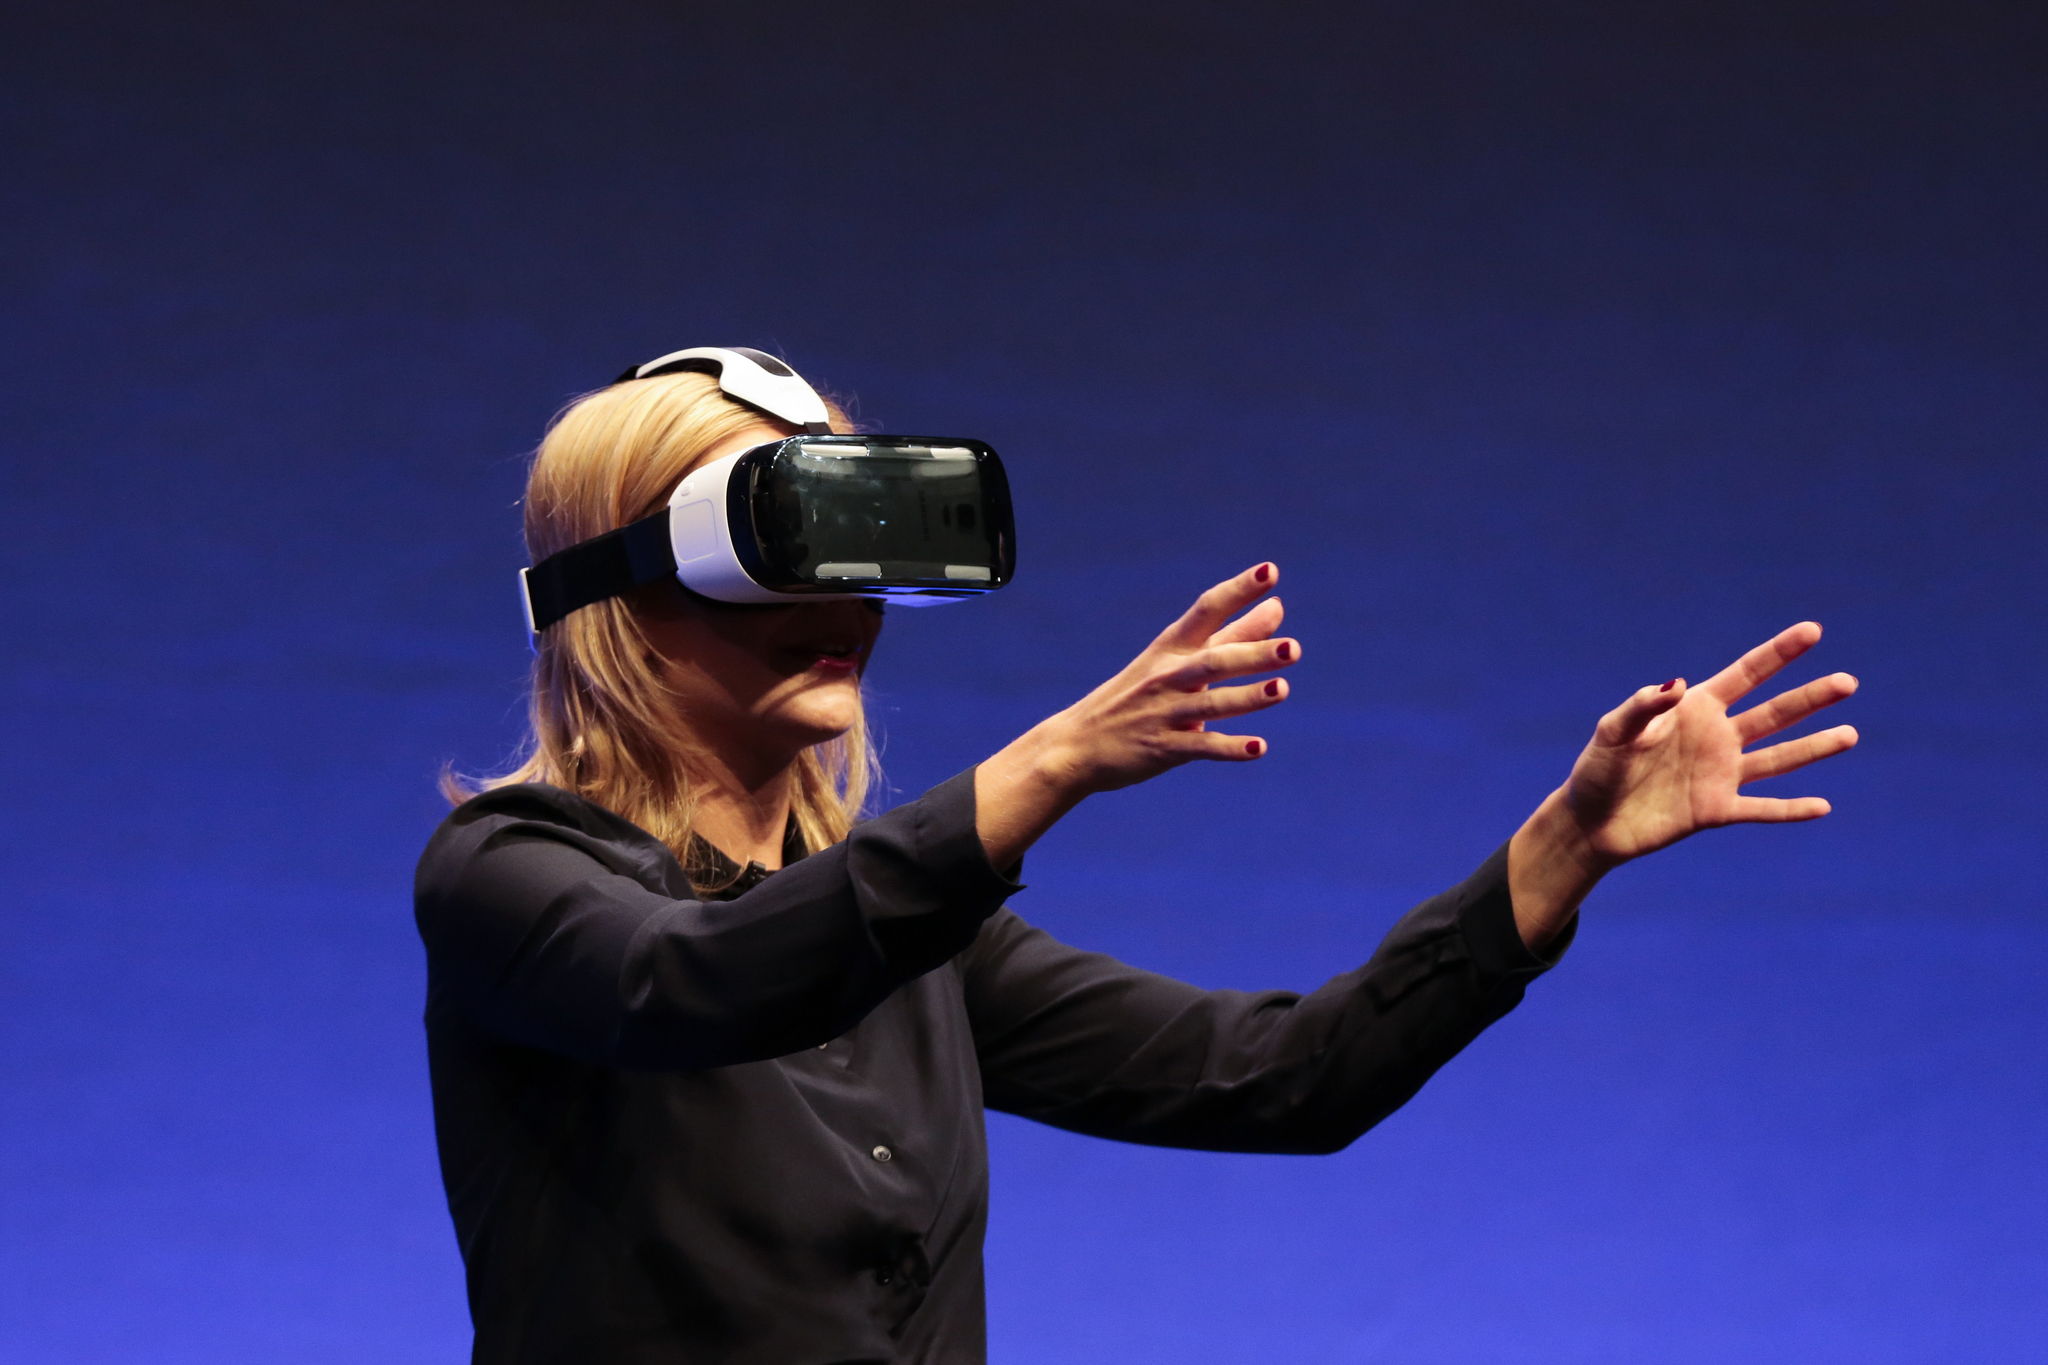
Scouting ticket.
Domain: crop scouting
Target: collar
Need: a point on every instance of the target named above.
(717, 877)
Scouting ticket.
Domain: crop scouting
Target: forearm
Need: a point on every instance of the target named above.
(1083, 1042)
(1550, 870)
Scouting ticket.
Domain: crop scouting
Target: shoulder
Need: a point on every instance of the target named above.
(545, 803)
(537, 808)
(529, 814)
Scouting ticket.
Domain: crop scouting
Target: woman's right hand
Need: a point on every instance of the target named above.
(1153, 715)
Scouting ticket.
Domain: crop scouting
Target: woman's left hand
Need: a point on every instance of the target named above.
(1668, 762)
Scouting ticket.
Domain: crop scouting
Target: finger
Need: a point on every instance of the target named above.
(1787, 709)
(1218, 605)
(1257, 624)
(1629, 719)
(1795, 754)
(1767, 810)
(1761, 662)
(1231, 661)
(1219, 702)
(1222, 748)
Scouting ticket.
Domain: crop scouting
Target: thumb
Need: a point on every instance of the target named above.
(1628, 720)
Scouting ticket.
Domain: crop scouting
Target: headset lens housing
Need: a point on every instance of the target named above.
(882, 515)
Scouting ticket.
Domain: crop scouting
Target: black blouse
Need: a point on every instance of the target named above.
(748, 1128)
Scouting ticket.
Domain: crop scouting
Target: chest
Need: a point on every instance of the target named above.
(885, 1120)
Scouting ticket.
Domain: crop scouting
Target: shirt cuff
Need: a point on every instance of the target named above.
(948, 837)
(1486, 916)
(923, 879)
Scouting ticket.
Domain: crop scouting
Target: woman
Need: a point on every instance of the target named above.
(709, 1058)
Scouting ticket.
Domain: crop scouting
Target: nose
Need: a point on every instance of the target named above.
(867, 616)
(858, 615)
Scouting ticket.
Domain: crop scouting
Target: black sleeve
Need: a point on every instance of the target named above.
(1085, 1042)
(533, 928)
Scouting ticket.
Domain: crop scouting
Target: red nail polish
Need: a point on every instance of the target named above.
(1284, 652)
(1273, 688)
(1263, 573)
(1668, 686)
(1254, 747)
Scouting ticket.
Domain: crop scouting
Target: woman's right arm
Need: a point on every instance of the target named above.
(542, 927)
(1150, 717)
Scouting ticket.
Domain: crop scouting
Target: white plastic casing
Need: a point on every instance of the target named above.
(701, 537)
(783, 395)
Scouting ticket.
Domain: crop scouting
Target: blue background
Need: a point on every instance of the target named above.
(1551, 349)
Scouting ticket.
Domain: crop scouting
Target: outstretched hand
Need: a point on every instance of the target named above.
(1152, 716)
(1155, 713)
(1670, 760)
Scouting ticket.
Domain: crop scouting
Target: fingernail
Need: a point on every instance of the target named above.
(1273, 688)
(1255, 747)
(1263, 574)
(1668, 686)
(1284, 651)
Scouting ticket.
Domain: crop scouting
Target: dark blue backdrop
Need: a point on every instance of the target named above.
(1551, 349)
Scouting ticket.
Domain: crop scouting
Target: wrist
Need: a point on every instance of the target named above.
(1019, 792)
(1050, 758)
(1563, 834)
(1551, 868)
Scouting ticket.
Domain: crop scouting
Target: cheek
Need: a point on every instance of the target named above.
(713, 671)
(746, 633)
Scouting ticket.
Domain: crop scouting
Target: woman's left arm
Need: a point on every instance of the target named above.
(1085, 1042)
(1666, 763)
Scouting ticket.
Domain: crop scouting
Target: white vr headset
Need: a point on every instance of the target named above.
(915, 520)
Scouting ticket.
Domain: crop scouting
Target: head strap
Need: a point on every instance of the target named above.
(752, 377)
(636, 554)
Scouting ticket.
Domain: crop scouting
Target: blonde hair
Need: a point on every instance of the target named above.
(603, 722)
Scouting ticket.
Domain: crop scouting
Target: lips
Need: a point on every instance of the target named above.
(832, 657)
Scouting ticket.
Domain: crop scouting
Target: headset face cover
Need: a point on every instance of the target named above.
(915, 520)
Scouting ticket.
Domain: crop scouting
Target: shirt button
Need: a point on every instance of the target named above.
(882, 1153)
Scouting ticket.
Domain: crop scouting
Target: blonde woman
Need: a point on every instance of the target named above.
(710, 1056)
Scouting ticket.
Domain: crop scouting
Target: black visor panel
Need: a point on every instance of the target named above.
(840, 513)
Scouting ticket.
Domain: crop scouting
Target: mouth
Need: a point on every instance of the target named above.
(830, 657)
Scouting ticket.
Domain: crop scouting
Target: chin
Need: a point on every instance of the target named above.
(820, 724)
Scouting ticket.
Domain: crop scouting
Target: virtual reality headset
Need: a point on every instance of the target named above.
(911, 520)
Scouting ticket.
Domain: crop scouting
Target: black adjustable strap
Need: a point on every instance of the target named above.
(602, 567)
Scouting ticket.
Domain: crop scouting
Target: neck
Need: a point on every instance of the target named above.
(744, 815)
